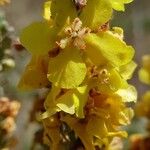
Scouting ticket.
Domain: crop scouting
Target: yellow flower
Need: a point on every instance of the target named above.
(143, 106)
(144, 72)
(88, 68)
(105, 114)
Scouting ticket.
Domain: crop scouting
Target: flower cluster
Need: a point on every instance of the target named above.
(8, 112)
(6, 56)
(86, 65)
(142, 108)
(144, 72)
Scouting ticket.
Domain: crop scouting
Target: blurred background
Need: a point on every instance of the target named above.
(20, 13)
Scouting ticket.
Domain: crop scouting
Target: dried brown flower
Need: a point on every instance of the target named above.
(75, 35)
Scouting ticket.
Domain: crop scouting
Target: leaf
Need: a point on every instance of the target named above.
(38, 38)
(128, 95)
(35, 74)
(119, 4)
(107, 47)
(67, 70)
(100, 13)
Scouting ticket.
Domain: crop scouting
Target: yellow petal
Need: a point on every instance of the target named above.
(144, 76)
(47, 12)
(127, 70)
(119, 4)
(38, 38)
(80, 131)
(67, 70)
(35, 74)
(100, 13)
(108, 47)
(129, 94)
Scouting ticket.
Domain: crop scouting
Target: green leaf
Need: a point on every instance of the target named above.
(106, 47)
(67, 70)
(38, 38)
(119, 4)
(96, 13)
